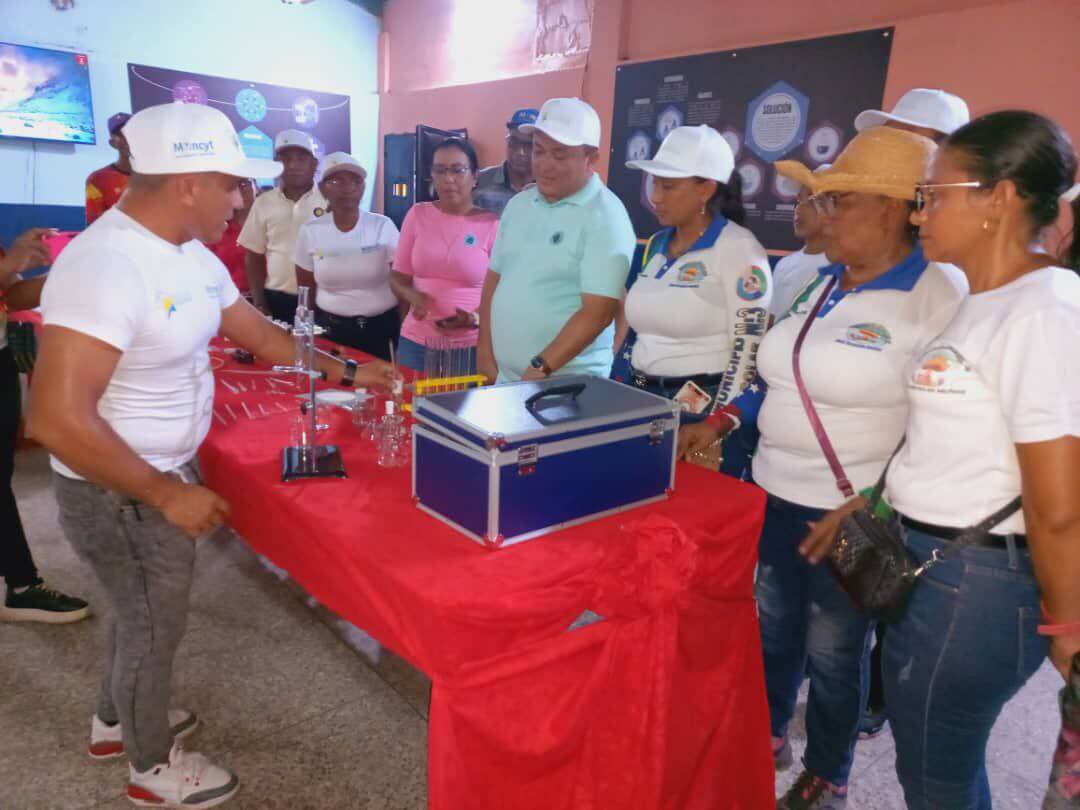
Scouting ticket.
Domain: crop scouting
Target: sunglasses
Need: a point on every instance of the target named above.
(924, 192)
(827, 202)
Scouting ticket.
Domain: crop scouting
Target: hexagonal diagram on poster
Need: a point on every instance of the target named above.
(258, 111)
(793, 100)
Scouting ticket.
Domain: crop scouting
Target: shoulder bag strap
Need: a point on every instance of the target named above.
(842, 482)
(981, 529)
(879, 487)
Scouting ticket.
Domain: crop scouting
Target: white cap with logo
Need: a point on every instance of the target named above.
(698, 151)
(180, 138)
(570, 121)
(933, 109)
(294, 138)
(341, 162)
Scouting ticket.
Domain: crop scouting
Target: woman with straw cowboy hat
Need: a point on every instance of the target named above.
(841, 349)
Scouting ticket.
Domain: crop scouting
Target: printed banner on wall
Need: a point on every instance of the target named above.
(258, 111)
(791, 101)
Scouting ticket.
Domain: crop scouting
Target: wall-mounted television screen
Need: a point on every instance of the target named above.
(45, 95)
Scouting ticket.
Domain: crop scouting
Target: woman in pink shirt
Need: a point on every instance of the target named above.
(442, 258)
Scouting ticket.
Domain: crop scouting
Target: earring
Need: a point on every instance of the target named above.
(703, 206)
(986, 224)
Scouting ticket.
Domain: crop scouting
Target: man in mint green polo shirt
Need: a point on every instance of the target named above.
(559, 266)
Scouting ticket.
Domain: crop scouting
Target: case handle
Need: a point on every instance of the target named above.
(573, 391)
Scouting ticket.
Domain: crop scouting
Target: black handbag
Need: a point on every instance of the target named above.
(871, 562)
(874, 566)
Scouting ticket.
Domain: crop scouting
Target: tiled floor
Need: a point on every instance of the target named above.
(308, 721)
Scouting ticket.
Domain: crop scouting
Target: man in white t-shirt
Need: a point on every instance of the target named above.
(123, 396)
(269, 233)
(793, 272)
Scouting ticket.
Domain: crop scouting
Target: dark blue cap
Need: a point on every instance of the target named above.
(521, 117)
(117, 121)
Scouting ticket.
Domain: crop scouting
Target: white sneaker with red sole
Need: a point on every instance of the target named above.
(187, 780)
(107, 742)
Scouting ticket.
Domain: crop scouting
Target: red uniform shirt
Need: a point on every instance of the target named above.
(232, 255)
(103, 190)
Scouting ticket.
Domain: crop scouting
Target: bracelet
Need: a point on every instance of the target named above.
(1052, 628)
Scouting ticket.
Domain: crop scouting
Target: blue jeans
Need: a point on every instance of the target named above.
(809, 626)
(965, 646)
(410, 354)
(145, 565)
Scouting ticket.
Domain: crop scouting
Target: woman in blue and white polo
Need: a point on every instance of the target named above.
(861, 321)
(699, 307)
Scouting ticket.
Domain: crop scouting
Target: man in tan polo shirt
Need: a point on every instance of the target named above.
(270, 231)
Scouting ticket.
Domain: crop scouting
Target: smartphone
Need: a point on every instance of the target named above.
(56, 241)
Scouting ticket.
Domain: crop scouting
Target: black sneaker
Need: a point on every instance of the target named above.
(40, 603)
(872, 724)
(813, 793)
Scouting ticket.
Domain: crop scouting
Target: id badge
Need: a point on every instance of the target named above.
(692, 398)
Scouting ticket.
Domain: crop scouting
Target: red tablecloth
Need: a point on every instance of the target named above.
(659, 706)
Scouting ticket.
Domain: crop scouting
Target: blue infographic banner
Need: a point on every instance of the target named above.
(791, 101)
(258, 111)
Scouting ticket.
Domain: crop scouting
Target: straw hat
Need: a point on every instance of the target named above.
(881, 160)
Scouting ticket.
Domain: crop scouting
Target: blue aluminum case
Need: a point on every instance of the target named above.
(512, 462)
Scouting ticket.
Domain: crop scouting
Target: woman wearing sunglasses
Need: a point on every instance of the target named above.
(992, 438)
(442, 259)
(835, 360)
(345, 255)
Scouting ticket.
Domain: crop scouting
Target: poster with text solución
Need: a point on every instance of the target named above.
(258, 111)
(791, 101)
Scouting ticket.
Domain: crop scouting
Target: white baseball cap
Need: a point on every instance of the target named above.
(341, 162)
(180, 138)
(698, 151)
(570, 121)
(295, 138)
(933, 109)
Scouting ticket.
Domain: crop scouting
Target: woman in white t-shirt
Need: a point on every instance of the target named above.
(793, 272)
(994, 414)
(699, 307)
(850, 333)
(346, 256)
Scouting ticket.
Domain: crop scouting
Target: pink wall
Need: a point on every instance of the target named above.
(994, 54)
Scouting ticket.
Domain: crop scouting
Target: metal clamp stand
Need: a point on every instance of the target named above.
(310, 459)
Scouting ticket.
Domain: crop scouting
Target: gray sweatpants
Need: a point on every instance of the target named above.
(145, 565)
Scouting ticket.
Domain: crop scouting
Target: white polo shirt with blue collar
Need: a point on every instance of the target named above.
(704, 312)
(548, 255)
(853, 364)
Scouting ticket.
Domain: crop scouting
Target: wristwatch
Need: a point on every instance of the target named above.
(540, 364)
(348, 379)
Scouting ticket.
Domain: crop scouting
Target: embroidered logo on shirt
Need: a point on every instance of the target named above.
(871, 336)
(752, 285)
(691, 274)
(941, 370)
(556, 238)
(470, 240)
